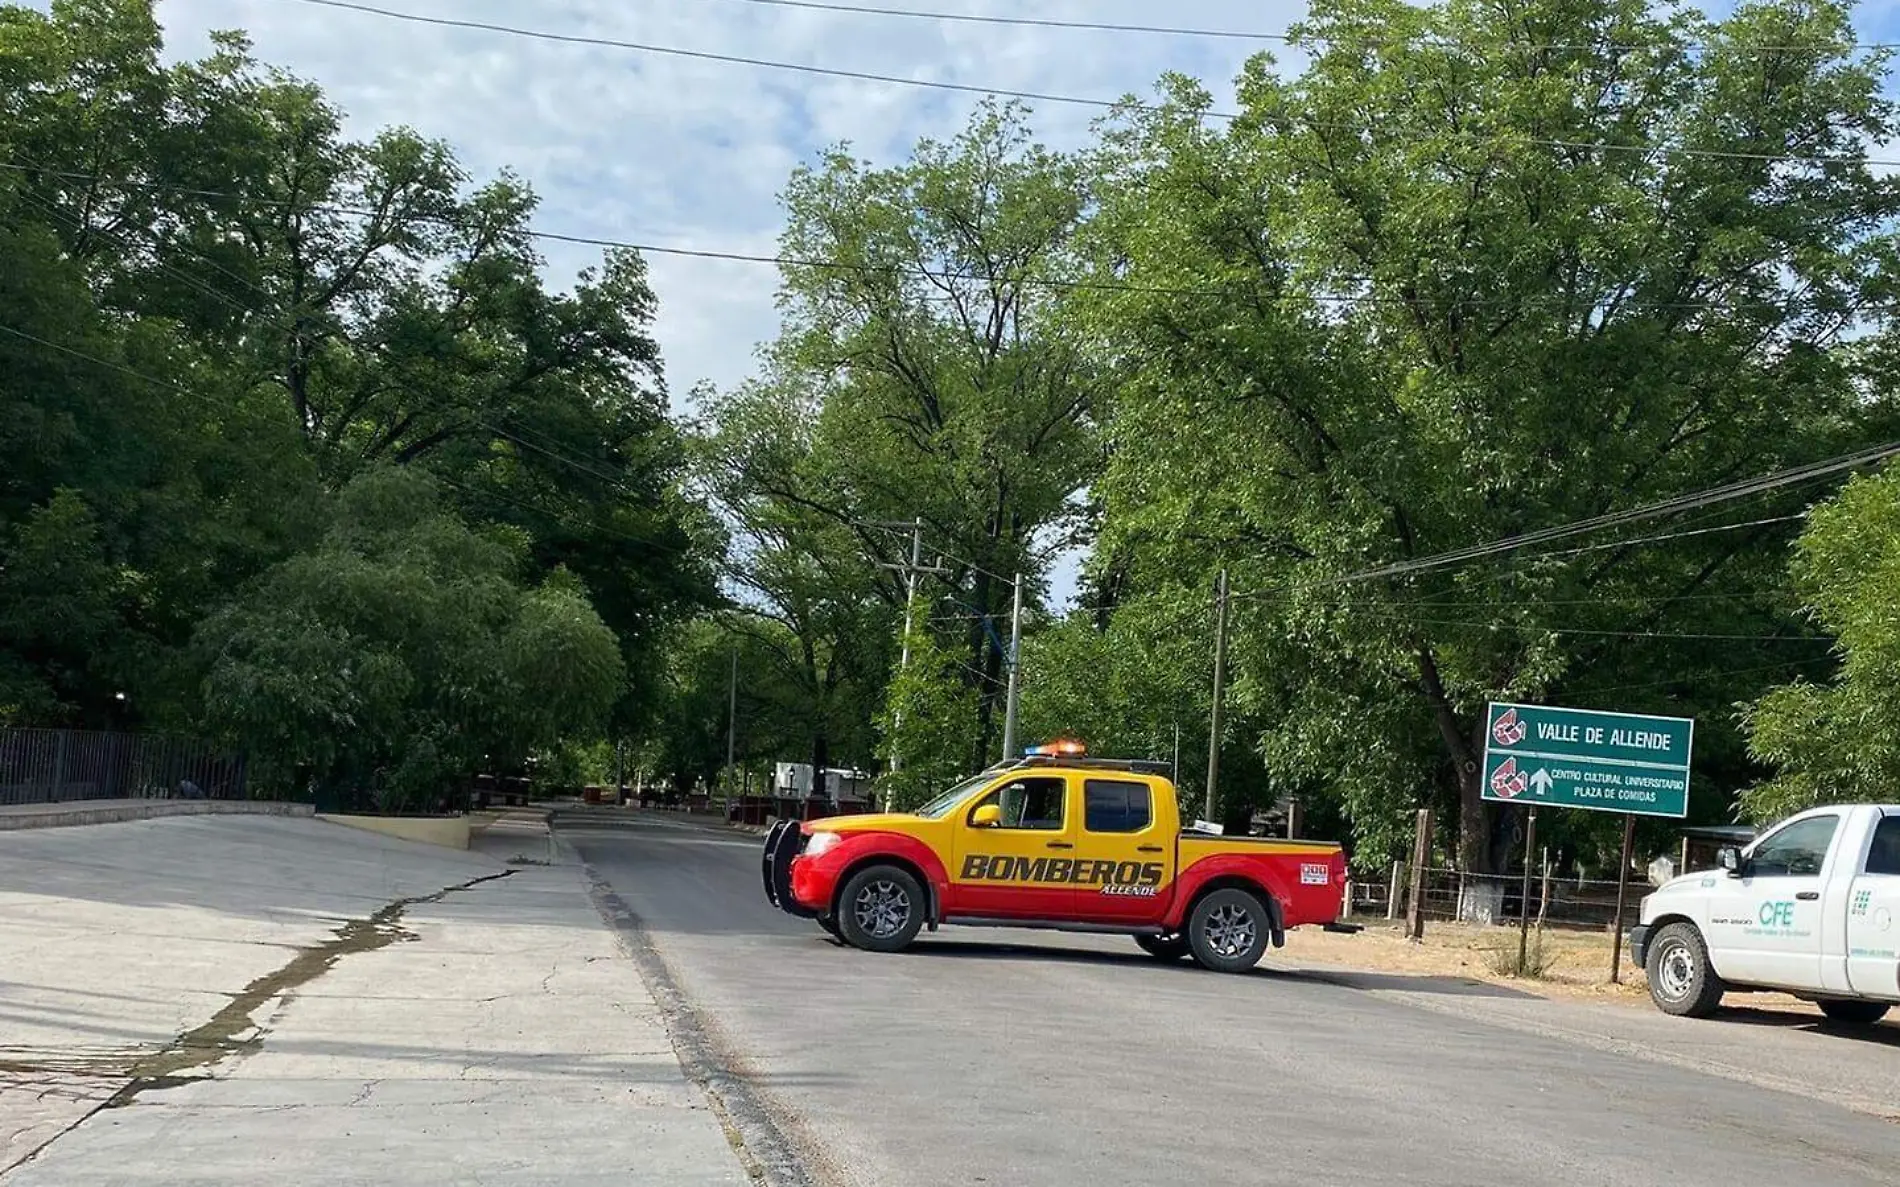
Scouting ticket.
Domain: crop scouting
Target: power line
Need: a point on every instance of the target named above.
(198, 285)
(1613, 634)
(729, 59)
(1804, 661)
(119, 367)
(1036, 96)
(578, 529)
(949, 556)
(1019, 21)
(610, 479)
(909, 270)
(1286, 36)
(1671, 506)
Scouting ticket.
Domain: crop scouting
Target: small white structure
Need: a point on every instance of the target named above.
(791, 779)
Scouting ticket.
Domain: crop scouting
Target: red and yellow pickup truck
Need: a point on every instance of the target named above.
(1062, 842)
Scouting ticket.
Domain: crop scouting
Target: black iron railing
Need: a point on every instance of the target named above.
(40, 766)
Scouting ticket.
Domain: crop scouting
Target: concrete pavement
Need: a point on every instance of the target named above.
(1005, 1057)
(237, 1001)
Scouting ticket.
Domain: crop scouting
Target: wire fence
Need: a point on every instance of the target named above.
(1449, 895)
(42, 766)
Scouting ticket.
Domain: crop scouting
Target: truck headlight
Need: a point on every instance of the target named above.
(820, 844)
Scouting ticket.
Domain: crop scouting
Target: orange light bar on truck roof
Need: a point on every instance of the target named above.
(1062, 746)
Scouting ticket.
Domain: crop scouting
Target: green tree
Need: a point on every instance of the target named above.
(217, 306)
(926, 377)
(1838, 740)
(403, 651)
(1455, 280)
(928, 723)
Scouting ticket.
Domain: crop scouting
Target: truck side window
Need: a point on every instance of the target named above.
(1796, 851)
(1113, 806)
(1029, 803)
(1884, 856)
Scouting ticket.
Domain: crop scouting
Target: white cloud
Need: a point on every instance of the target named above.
(692, 153)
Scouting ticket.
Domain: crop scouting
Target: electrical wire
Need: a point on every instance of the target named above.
(1036, 96)
(1340, 299)
(1019, 21)
(1672, 506)
(119, 367)
(1286, 36)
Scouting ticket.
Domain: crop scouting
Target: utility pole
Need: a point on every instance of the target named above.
(732, 709)
(910, 572)
(1220, 678)
(1015, 656)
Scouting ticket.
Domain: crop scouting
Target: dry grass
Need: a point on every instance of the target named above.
(1566, 962)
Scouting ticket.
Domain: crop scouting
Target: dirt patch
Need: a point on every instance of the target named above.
(1578, 962)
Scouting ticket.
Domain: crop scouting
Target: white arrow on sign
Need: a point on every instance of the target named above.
(1541, 781)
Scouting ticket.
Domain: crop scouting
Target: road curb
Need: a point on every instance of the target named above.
(768, 1155)
(81, 813)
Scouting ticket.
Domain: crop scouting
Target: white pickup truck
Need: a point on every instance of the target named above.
(1808, 908)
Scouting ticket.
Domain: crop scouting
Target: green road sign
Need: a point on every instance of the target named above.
(1581, 758)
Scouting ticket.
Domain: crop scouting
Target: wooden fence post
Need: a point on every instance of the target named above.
(1421, 857)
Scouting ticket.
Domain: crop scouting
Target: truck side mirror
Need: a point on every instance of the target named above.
(987, 816)
(1730, 859)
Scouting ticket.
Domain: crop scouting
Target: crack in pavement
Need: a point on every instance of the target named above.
(232, 1031)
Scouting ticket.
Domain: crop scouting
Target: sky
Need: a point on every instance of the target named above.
(671, 151)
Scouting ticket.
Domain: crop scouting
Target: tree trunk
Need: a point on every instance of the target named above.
(820, 759)
(1480, 852)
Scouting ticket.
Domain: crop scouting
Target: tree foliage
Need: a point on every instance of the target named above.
(1838, 740)
(218, 312)
(928, 379)
(928, 722)
(1448, 284)
(403, 650)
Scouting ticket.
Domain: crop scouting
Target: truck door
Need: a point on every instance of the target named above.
(1130, 861)
(1873, 901)
(1765, 927)
(1018, 867)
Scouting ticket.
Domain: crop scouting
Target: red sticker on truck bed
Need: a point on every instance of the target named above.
(1314, 873)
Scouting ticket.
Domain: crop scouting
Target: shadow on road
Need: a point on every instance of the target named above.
(1410, 983)
(1885, 1034)
(1344, 979)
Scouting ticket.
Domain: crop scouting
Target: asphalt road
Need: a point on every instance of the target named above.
(1010, 1058)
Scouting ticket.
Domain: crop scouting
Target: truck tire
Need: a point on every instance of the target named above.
(1856, 1012)
(1682, 982)
(1227, 931)
(830, 924)
(880, 909)
(1169, 947)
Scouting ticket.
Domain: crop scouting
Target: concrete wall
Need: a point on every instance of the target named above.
(451, 831)
(78, 812)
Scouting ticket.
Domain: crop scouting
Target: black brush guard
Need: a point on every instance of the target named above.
(782, 844)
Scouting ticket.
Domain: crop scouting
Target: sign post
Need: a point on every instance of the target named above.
(1539, 755)
(1524, 901)
(1622, 885)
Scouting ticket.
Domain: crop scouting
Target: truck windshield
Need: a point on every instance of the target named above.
(940, 807)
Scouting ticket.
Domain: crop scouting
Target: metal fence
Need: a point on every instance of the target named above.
(1449, 895)
(40, 766)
